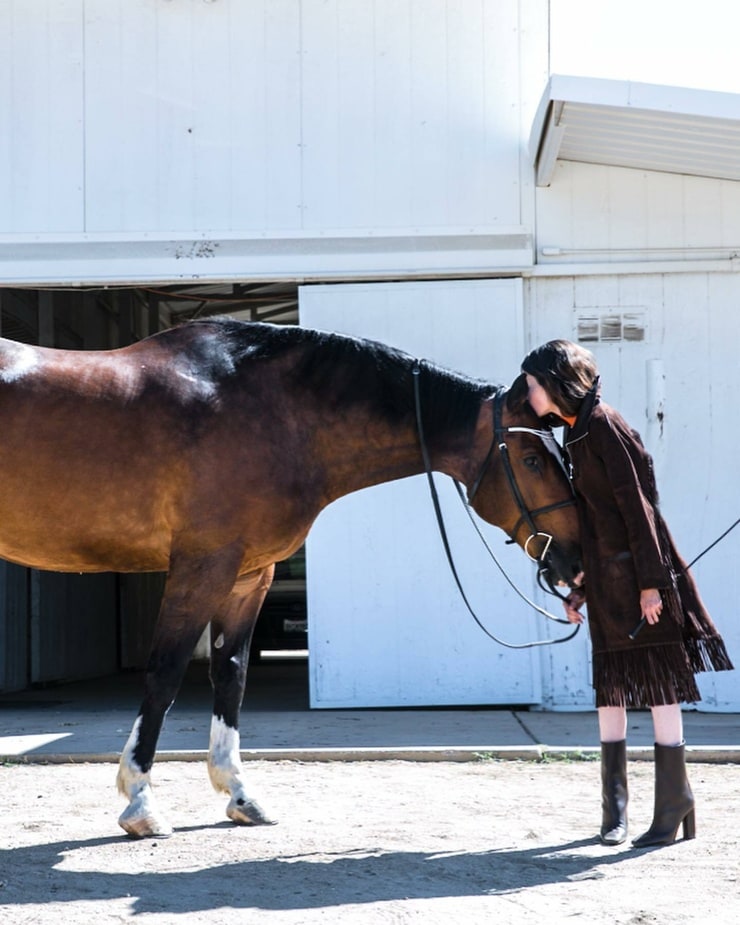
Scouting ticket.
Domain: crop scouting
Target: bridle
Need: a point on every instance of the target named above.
(526, 516)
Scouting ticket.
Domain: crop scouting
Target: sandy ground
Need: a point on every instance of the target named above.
(363, 842)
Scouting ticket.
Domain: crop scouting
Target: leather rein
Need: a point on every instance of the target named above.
(498, 443)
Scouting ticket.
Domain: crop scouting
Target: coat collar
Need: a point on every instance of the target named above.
(580, 429)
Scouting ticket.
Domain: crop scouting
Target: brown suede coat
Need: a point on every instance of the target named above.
(627, 548)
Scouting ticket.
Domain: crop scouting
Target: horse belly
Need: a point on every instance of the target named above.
(82, 525)
(56, 548)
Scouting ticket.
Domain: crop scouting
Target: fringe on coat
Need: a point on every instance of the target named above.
(647, 676)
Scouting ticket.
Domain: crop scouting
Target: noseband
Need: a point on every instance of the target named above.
(526, 516)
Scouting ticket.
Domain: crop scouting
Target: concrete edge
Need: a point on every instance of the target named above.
(538, 753)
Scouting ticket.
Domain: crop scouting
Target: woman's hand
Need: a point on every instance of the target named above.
(572, 604)
(651, 605)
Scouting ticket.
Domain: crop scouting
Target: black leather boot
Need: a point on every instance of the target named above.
(674, 801)
(613, 792)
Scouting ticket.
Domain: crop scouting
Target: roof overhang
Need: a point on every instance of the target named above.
(644, 126)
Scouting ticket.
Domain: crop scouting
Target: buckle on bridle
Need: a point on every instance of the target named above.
(543, 555)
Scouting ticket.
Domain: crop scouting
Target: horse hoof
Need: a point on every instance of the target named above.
(143, 826)
(247, 812)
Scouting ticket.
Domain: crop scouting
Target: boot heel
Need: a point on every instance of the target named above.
(674, 801)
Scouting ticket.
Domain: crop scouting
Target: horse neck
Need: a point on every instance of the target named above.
(370, 452)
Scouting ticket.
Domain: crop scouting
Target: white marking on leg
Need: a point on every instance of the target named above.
(141, 818)
(130, 776)
(224, 760)
(225, 771)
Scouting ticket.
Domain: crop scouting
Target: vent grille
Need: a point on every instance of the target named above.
(611, 326)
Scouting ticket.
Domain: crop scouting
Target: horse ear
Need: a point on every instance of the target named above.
(517, 394)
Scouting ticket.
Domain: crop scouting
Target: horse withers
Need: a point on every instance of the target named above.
(207, 451)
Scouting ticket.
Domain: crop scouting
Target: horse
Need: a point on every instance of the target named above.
(207, 451)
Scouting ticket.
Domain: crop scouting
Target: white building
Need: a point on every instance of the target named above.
(462, 202)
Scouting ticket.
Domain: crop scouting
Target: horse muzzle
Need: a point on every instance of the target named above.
(556, 567)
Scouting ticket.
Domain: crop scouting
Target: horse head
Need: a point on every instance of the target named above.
(523, 487)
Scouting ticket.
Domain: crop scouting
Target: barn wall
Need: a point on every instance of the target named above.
(675, 386)
(169, 139)
(596, 214)
(264, 115)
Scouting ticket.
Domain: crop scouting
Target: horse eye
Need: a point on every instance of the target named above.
(532, 463)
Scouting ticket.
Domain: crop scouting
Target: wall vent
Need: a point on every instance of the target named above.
(610, 326)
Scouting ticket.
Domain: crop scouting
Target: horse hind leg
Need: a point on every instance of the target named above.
(193, 592)
(231, 635)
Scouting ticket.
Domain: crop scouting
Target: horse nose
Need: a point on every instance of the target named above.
(563, 567)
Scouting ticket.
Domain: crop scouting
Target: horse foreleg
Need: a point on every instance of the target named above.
(231, 635)
(193, 593)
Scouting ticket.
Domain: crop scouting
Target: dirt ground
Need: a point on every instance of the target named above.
(363, 842)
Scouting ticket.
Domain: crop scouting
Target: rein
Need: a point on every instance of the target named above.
(643, 621)
(498, 442)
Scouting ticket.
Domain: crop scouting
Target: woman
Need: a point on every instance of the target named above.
(632, 573)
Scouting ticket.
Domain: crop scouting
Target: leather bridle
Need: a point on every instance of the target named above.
(526, 516)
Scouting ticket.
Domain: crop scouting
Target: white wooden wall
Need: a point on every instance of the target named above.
(386, 624)
(129, 120)
(597, 214)
(692, 334)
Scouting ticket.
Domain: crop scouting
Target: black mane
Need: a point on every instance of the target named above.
(351, 371)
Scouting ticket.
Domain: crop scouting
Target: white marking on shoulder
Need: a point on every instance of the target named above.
(21, 360)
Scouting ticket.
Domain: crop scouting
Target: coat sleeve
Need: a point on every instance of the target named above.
(614, 445)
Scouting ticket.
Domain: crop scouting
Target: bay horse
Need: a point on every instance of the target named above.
(207, 451)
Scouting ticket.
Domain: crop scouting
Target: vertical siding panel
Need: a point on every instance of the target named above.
(356, 100)
(175, 141)
(212, 105)
(14, 606)
(73, 626)
(41, 187)
(480, 84)
(429, 180)
(627, 207)
(245, 125)
(588, 187)
(504, 119)
(121, 166)
(264, 121)
(393, 161)
(281, 150)
(320, 115)
(729, 212)
(661, 224)
(8, 139)
(702, 201)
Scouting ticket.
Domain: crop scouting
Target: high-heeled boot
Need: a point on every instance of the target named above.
(674, 801)
(613, 792)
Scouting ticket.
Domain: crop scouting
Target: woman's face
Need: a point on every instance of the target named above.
(538, 398)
